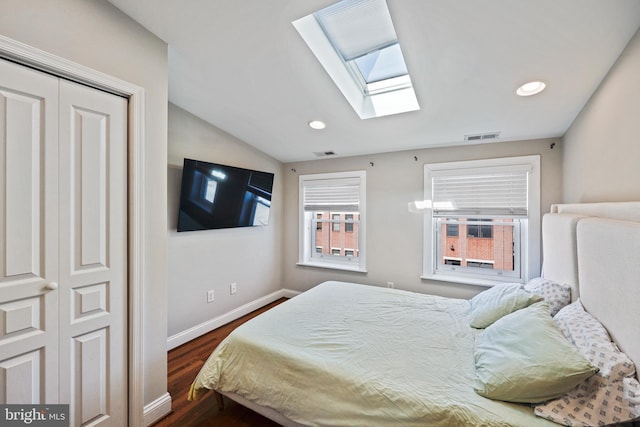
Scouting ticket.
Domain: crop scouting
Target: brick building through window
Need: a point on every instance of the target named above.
(337, 233)
(475, 243)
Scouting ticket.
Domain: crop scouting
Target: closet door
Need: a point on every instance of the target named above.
(63, 246)
(28, 236)
(93, 255)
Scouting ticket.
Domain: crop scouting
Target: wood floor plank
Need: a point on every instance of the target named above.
(184, 363)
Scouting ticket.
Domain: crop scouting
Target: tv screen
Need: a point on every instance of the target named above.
(219, 196)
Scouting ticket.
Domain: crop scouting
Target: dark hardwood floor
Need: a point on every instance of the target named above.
(184, 362)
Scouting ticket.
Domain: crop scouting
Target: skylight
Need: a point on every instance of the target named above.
(356, 43)
(386, 63)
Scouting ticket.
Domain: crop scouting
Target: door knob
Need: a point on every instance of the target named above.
(51, 286)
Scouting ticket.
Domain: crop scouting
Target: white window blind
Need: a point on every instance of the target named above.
(481, 191)
(357, 27)
(340, 194)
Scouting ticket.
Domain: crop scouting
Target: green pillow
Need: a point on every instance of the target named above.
(524, 358)
(495, 302)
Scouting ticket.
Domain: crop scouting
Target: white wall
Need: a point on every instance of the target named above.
(602, 147)
(210, 260)
(96, 34)
(394, 235)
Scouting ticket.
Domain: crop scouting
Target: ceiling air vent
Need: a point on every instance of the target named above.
(324, 153)
(487, 137)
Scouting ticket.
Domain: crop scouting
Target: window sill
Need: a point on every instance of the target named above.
(475, 281)
(355, 269)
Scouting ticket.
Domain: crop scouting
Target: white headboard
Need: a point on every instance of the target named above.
(560, 251)
(609, 270)
(626, 211)
(595, 248)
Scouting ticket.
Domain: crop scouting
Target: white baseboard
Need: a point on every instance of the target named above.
(290, 293)
(208, 326)
(157, 409)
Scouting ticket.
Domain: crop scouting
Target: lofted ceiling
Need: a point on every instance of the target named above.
(241, 66)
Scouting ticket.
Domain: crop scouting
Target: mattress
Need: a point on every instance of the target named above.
(343, 354)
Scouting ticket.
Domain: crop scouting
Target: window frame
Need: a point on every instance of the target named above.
(307, 255)
(529, 235)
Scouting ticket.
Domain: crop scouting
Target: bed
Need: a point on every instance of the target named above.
(344, 354)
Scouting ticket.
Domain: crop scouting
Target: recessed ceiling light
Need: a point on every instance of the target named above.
(531, 88)
(317, 124)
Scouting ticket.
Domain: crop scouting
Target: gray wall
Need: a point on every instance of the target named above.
(602, 147)
(394, 235)
(96, 34)
(210, 260)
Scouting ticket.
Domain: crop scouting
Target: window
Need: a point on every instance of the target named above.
(356, 43)
(261, 212)
(336, 222)
(480, 264)
(332, 226)
(210, 191)
(348, 224)
(203, 191)
(475, 228)
(483, 224)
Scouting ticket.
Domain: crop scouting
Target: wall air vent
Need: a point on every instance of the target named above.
(480, 137)
(324, 153)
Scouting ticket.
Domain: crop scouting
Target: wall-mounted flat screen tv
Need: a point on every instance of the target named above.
(219, 196)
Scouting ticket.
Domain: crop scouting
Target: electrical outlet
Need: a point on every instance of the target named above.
(233, 288)
(391, 285)
(210, 296)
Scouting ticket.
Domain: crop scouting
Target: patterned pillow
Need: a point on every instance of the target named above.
(580, 327)
(610, 396)
(556, 294)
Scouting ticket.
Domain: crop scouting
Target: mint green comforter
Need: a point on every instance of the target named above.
(343, 354)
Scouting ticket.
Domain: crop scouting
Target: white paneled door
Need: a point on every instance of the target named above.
(28, 236)
(63, 246)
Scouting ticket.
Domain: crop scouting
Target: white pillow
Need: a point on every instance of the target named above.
(610, 396)
(556, 294)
